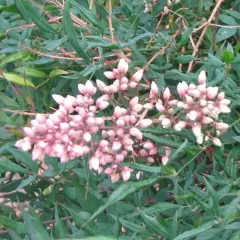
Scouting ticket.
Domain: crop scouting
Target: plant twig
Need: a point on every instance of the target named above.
(206, 24)
(110, 20)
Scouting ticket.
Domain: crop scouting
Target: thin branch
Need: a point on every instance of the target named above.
(206, 24)
(18, 112)
(110, 20)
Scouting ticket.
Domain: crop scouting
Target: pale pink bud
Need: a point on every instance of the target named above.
(173, 102)
(206, 120)
(154, 89)
(102, 104)
(148, 145)
(192, 115)
(196, 93)
(224, 109)
(134, 101)
(159, 106)
(189, 100)
(165, 160)
(180, 104)
(138, 75)
(221, 96)
(87, 137)
(137, 108)
(153, 151)
(138, 175)
(89, 88)
(58, 98)
(145, 123)
(64, 127)
(216, 142)
(166, 123)
(132, 84)
(192, 86)
(37, 153)
(150, 160)
(122, 66)
(182, 88)
(180, 125)
(197, 131)
(28, 132)
(225, 102)
(123, 87)
(212, 92)
(112, 88)
(111, 133)
(120, 122)
(26, 146)
(148, 106)
(116, 146)
(205, 110)
(109, 75)
(125, 175)
(115, 177)
(108, 171)
(167, 151)
(124, 80)
(136, 133)
(78, 149)
(200, 139)
(94, 163)
(40, 118)
(202, 77)
(221, 126)
(101, 85)
(127, 141)
(119, 157)
(166, 94)
(203, 102)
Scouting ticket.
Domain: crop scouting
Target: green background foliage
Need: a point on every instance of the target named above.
(47, 47)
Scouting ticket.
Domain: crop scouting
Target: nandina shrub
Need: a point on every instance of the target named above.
(119, 119)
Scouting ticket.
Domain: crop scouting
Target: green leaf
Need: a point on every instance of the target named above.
(227, 56)
(184, 40)
(225, 33)
(185, 58)
(25, 158)
(12, 224)
(34, 226)
(32, 72)
(160, 207)
(31, 13)
(196, 231)
(98, 238)
(163, 141)
(14, 78)
(142, 167)
(123, 191)
(26, 182)
(71, 33)
(8, 165)
(57, 72)
(60, 229)
(14, 57)
(179, 150)
(8, 101)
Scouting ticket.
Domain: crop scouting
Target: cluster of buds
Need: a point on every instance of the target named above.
(199, 109)
(72, 130)
(149, 6)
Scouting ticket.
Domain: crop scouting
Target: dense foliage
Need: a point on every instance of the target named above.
(187, 189)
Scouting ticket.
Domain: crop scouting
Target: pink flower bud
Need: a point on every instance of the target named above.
(115, 177)
(87, 137)
(64, 127)
(125, 175)
(154, 89)
(58, 98)
(122, 66)
(137, 108)
(138, 76)
(166, 94)
(109, 75)
(138, 175)
(197, 131)
(180, 126)
(148, 106)
(116, 146)
(136, 133)
(224, 109)
(119, 157)
(123, 87)
(173, 102)
(132, 84)
(165, 160)
(40, 118)
(89, 88)
(28, 132)
(94, 163)
(202, 78)
(225, 102)
(37, 153)
(192, 115)
(195, 93)
(192, 86)
(203, 102)
(166, 123)
(180, 105)
(216, 142)
(108, 171)
(120, 122)
(134, 101)
(153, 151)
(189, 100)
(127, 141)
(221, 96)
(182, 88)
(26, 146)
(221, 126)
(150, 160)
(159, 106)
(206, 120)
(145, 123)
(148, 145)
(101, 85)
(124, 80)
(212, 92)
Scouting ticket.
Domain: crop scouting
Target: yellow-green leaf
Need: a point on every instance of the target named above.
(14, 78)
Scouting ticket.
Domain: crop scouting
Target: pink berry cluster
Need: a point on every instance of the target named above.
(71, 131)
(198, 109)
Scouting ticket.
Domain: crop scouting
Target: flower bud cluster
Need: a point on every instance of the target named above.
(70, 131)
(198, 109)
